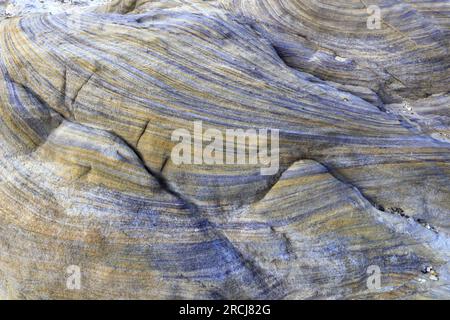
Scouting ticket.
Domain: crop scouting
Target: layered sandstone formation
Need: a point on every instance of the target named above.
(88, 104)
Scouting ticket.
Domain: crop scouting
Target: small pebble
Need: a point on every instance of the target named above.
(427, 269)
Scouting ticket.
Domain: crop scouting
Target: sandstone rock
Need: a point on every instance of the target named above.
(14, 8)
(405, 56)
(88, 104)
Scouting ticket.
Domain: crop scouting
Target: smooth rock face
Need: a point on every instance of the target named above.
(407, 57)
(88, 105)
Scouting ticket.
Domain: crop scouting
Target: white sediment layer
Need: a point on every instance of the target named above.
(14, 8)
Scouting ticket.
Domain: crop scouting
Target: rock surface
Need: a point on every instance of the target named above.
(15, 8)
(88, 104)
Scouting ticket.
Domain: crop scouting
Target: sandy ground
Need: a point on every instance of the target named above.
(13, 8)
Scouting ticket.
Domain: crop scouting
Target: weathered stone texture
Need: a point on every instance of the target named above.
(88, 103)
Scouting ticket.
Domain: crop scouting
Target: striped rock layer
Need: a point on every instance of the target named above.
(88, 104)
